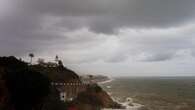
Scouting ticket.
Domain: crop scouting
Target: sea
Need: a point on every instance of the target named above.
(153, 93)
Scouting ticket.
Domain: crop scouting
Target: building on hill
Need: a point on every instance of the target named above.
(66, 81)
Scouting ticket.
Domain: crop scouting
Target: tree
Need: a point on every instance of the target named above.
(31, 55)
(57, 58)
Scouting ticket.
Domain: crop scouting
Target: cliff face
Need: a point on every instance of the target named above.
(95, 98)
(61, 78)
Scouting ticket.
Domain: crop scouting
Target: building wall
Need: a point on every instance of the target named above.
(69, 91)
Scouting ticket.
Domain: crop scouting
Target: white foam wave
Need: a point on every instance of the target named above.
(107, 81)
(129, 105)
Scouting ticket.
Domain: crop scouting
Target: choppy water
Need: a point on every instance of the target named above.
(155, 93)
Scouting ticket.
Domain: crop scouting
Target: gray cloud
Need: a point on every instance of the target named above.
(105, 15)
(89, 31)
(159, 57)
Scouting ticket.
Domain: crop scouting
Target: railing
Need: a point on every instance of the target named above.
(69, 90)
(69, 84)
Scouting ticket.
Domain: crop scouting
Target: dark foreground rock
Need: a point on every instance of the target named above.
(21, 87)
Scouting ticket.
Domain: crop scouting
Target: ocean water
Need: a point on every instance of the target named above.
(154, 93)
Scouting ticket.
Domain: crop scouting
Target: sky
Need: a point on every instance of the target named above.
(109, 37)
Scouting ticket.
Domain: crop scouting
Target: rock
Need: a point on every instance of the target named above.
(35, 90)
(95, 98)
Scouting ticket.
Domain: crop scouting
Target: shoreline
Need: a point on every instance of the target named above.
(127, 103)
(107, 81)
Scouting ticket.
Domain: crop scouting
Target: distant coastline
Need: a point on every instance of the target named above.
(107, 81)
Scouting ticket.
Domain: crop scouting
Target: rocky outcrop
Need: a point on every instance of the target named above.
(24, 86)
(95, 98)
(24, 82)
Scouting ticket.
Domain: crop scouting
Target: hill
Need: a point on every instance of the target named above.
(26, 87)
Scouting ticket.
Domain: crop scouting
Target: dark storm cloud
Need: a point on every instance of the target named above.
(109, 36)
(38, 25)
(106, 15)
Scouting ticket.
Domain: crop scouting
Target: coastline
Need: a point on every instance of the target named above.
(107, 81)
(129, 104)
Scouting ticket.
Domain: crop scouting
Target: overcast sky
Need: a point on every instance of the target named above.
(111, 37)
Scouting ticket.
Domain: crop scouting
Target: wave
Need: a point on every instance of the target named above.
(128, 104)
(107, 81)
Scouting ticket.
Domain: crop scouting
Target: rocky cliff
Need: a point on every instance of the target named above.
(95, 98)
(24, 87)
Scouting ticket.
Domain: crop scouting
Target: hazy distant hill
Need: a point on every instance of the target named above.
(95, 78)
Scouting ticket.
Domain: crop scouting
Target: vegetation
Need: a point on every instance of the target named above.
(31, 55)
(26, 88)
